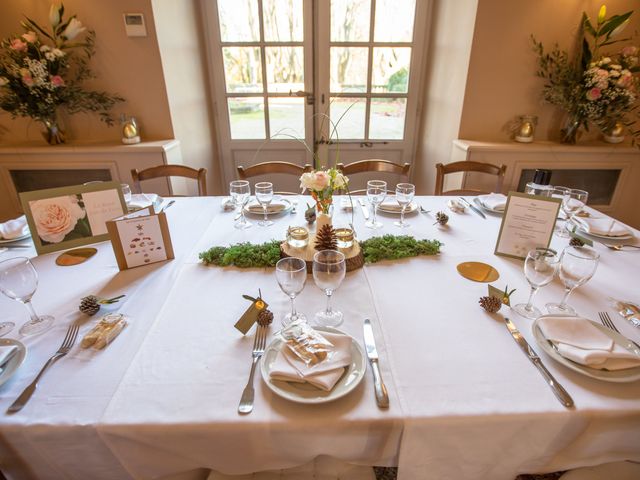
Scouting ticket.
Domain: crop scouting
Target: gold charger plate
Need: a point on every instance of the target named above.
(75, 256)
(272, 209)
(478, 272)
(390, 207)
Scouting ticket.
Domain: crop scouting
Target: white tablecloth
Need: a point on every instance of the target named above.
(465, 402)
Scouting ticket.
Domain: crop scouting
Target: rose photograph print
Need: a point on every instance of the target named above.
(59, 219)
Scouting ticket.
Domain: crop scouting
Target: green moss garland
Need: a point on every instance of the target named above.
(387, 247)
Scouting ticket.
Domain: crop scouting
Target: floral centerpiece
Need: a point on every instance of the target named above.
(322, 184)
(595, 87)
(44, 68)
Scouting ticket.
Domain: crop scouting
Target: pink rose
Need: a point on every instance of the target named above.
(315, 180)
(625, 79)
(629, 50)
(27, 79)
(594, 94)
(56, 217)
(30, 37)
(57, 81)
(18, 45)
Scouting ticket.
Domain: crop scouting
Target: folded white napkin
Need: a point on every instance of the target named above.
(141, 200)
(227, 204)
(15, 228)
(6, 352)
(579, 340)
(494, 201)
(345, 204)
(324, 375)
(602, 226)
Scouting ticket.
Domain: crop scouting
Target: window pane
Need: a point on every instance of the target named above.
(239, 21)
(285, 69)
(349, 69)
(286, 116)
(347, 116)
(390, 69)
(242, 69)
(350, 20)
(387, 118)
(394, 20)
(246, 117)
(282, 20)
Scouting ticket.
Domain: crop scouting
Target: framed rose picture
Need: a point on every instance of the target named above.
(67, 217)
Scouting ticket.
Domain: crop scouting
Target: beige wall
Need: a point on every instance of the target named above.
(126, 65)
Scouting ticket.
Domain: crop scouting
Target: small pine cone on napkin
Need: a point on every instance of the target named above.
(490, 304)
(576, 242)
(326, 239)
(89, 305)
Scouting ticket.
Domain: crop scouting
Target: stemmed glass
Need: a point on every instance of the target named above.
(376, 191)
(264, 195)
(404, 195)
(540, 267)
(577, 266)
(328, 272)
(18, 281)
(560, 192)
(240, 191)
(126, 193)
(572, 202)
(291, 273)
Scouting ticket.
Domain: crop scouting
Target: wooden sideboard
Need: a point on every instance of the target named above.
(33, 167)
(610, 173)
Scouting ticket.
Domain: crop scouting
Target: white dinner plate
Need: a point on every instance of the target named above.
(389, 207)
(9, 368)
(581, 231)
(17, 239)
(276, 207)
(480, 204)
(617, 376)
(305, 392)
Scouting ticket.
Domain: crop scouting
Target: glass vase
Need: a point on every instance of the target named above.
(569, 134)
(51, 131)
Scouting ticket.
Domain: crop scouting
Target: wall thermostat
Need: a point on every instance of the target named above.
(134, 25)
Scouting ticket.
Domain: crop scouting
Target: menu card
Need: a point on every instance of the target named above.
(527, 223)
(140, 238)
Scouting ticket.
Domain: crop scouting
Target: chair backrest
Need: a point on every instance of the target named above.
(468, 166)
(170, 171)
(272, 168)
(374, 166)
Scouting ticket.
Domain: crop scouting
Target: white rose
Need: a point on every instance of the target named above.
(74, 28)
(340, 181)
(56, 217)
(314, 180)
(57, 52)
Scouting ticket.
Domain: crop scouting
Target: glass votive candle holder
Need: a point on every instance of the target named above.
(344, 237)
(526, 128)
(297, 237)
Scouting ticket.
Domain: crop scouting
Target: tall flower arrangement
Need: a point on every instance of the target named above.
(595, 87)
(44, 68)
(322, 184)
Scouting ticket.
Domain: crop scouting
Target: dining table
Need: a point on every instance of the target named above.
(162, 399)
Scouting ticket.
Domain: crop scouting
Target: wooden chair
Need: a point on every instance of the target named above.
(468, 166)
(272, 168)
(170, 171)
(373, 166)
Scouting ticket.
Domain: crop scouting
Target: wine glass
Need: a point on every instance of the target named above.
(126, 192)
(540, 267)
(376, 191)
(264, 195)
(572, 202)
(560, 228)
(328, 272)
(239, 191)
(404, 195)
(18, 281)
(291, 273)
(577, 266)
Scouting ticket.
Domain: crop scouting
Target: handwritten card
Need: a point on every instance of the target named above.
(140, 238)
(527, 223)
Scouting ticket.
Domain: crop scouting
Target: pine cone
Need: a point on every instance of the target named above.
(576, 242)
(490, 304)
(442, 218)
(89, 305)
(310, 214)
(326, 239)
(265, 317)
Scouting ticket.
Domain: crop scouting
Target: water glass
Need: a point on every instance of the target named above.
(404, 195)
(560, 228)
(264, 195)
(573, 202)
(291, 274)
(577, 266)
(126, 193)
(376, 193)
(240, 191)
(19, 281)
(540, 267)
(329, 269)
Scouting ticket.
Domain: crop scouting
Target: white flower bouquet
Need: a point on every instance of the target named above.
(322, 184)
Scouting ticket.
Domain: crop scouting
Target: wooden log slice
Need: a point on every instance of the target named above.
(354, 258)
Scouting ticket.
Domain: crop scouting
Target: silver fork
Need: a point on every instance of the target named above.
(422, 210)
(617, 247)
(607, 322)
(67, 343)
(246, 401)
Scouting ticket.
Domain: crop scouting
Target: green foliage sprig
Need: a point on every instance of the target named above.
(391, 247)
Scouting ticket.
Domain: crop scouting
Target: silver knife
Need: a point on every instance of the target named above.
(472, 207)
(382, 397)
(365, 210)
(560, 393)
